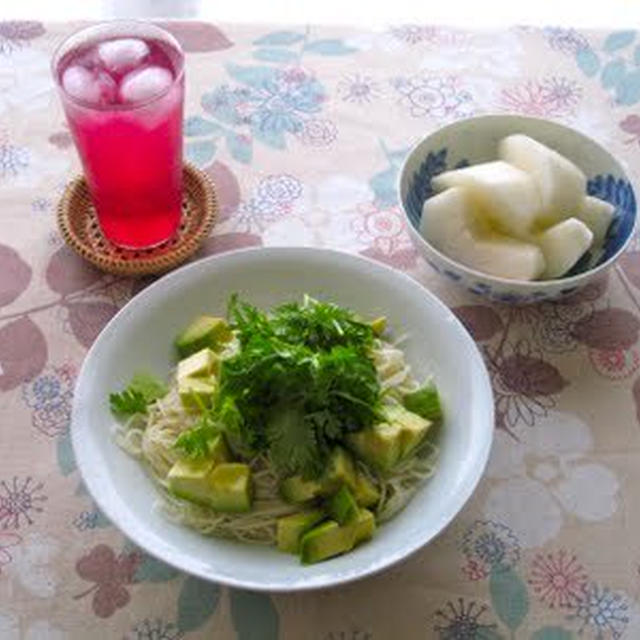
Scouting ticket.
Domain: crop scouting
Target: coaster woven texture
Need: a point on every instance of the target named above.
(79, 227)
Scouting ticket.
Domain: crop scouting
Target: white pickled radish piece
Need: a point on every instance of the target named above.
(563, 245)
(502, 256)
(560, 183)
(446, 215)
(597, 215)
(449, 223)
(507, 196)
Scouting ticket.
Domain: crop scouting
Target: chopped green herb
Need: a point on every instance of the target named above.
(425, 402)
(317, 325)
(194, 442)
(303, 378)
(292, 441)
(143, 389)
(320, 326)
(127, 402)
(149, 386)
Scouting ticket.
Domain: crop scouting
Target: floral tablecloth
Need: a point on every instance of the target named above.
(303, 130)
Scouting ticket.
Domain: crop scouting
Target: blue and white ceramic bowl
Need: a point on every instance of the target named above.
(476, 140)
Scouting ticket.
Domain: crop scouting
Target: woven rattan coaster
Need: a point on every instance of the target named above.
(79, 227)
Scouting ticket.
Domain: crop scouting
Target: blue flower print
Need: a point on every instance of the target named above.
(567, 41)
(273, 102)
(13, 159)
(230, 106)
(49, 396)
(605, 612)
(44, 390)
(490, 545)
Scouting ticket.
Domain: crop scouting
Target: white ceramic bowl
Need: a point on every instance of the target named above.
(476, 140)
(140, 336)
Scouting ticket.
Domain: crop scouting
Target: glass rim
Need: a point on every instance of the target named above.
(56, 57)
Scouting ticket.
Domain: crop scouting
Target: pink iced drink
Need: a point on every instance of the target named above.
(123, 100)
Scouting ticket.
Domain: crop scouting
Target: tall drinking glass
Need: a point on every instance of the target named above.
(122, 89)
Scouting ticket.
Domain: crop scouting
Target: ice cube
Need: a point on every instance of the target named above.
(120, 56)
(95, 87)
(144, 84)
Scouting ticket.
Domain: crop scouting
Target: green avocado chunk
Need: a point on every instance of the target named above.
(325, 541)
(364, 526)
(365, 492)
(378, 446)
(224, 487)
(386, 443)
(329, 539)
(204, 331)
(291, 528)
(218, 450)
(297, 490)
(413, 428)
(340, 470)
(378, 325)
(343, 506)
(189, 479)
(196, 393)
(231, 488)
(202, 363)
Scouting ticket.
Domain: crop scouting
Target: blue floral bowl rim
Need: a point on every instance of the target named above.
(531, 285)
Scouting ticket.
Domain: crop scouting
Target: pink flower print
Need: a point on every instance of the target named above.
(558, 579)
(475, 570)
(358, 88)
(615, 364)
(14, 34)
(414, 33)
(382, 228)
(434, 96)
(554, 96)
(561, 93)
(384, 232)
(631, 125)
(294, 75)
